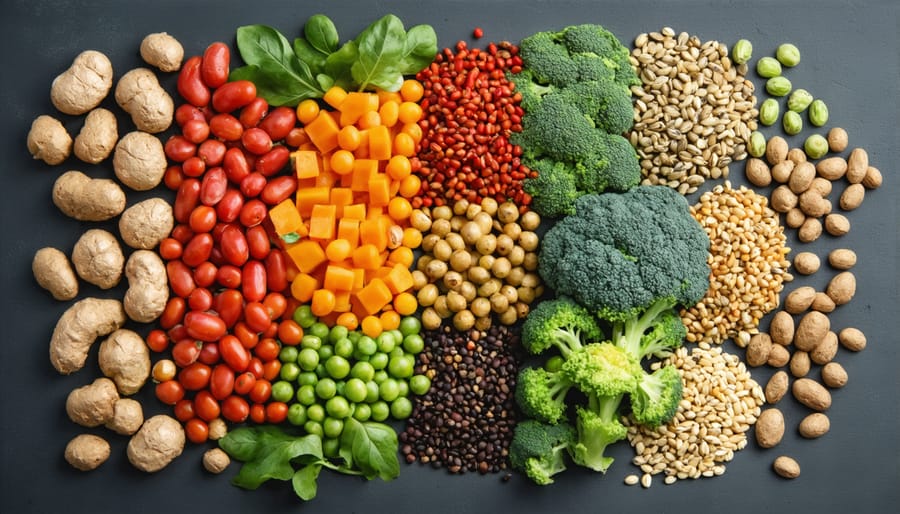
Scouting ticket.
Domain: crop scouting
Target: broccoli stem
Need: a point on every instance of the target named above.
(605, 406)
(567, 341)
(627, 334)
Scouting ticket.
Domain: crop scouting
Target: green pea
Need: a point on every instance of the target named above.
(742, 51)
(386, 342)
(818, 113)
(337, 333)
(307, 378)
(757, 148)
(778, 86)
(413, 344)
(289, 371)
(363, 371)
(792, 123)
(313, 427)
(337, 407)
(316, 412)
(325, 352)
(319, 330)
(297, 414)
(362, 412)
(282, 391)
(331, 446)
(326, 388)
(401, 366)
(768, 67)
(554, 363)
(288, 354)
(332, 427)
(380, 410)
(308, 359)
(799, 100)
(816, 146)
(380, 376)
(419, 384)
(379, 360)
(337, 367)
(389, 390)
(355, 390)
(304, 317)
(401, 408)
(366, 345)
(306, 395)
(310, 341)
(768, 112)
(410, 325)
(788, 54)
(371, 391)
(344, 347)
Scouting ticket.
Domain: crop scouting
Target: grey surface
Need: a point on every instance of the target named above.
(851, 58)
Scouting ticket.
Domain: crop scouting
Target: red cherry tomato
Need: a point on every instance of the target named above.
(196, 430)
(206, 406)
(234, 354)
(204, 326)
(235, 409)
(170, 392)
(195, 376)
(186, 352)
(190, 83)
(221, 383)
(233, 95)
(214, 65)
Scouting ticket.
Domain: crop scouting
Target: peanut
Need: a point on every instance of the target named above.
(815, 425)
(799, 299)
(812, 394)
(842, 287)
(834, 375)
(822, 303)
(800, 364)
(873, 178)
(779, 356)
(786, 467)
(852, 197)
(842, 259)
(781, 329)
(781, 172)
(776, 150)
(852, 339)
(826, 350)
(810, 330)
(837, 139)
(857, 165)
(810, 230)
(777, 387)
(832, 168)
(758, 172)
(801, 177)
(769, 428)
(758, 349)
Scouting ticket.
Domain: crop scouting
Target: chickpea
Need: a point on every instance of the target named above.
(456, 241)
(516, 256)
(522, 309)
(511, 293)
(442, 250)
(507, 212)
(452, 280)
(531, 280)
(479, 275)
(460, 260)
(509, 317)
(427, 295)
(483, 323)
(472, 210)
(489, 205)
(499, 303)
(457, 222)
(501, 267)
(539, 291)
(441, 212)
(530, 221)
(486, 261)
(464, 320)
(456, 302)
(528, 241)
(440, 306)
(513, 230)
(480, 307)
(486, 244)
(530, 262)
(423, 262)
(468, 291)
(459, 208)
(489, 288)
(429, 241)
(420, 280)
(505, 244)
(526, 294)
(471, 232)
(420, 221)
(440, 227)
(430, 319)
(436, 269)
(515, 277)
(485, 221)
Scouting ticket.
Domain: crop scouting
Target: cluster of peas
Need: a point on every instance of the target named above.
(335, 373)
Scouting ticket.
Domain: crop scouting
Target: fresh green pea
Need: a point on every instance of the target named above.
(337, 407)
(289, 371)
(288, 354)
(310, 341)
(307, 378)
(778, 86)
(304, 317)
(792, 123)
(768, 67)
(326, 388)
(401, 366)
(386, 342)
(401, 408)
(362, 412)
(339, 387)
(554, 363)
(313, 427)
(331, 447)
(332, 427)
(344, 347)
(410, 325)
(380, 410)
(355, 335)
(306, 394)
(379, 360)
(366, 345)
(337, 367)
(355, 390)
(816, 146)
(362, 370)
(372, 392)
(403, 388)
(388, 390)
(308, 359)
(316, 412)
(768, 112)
(325, 352)
(380, 376)
(297, 414)
(419, 384)
(397, 352)
(742, 51)
(319, 330)
(788, 54)
(757, 148)
(282, 391)
(337, 333)
(818, 113)
(413, 344)
(799, 100)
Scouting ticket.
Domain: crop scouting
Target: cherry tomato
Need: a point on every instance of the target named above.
(212, 151)
(200, 299)
(234, 246)
(249, 338)
(229, 207)
(258, 242)
(184, 410)
(276, 271)
(271, 370)
(256, 367)
(235, 165)
(273, 161)
(229, 304)
(278, 189)
(270, 331)
(233, 353)
(221, 383)
(195, 130)
(209, 354)
(253, 112)
(179, 149)
(193, 167)
(205, 274)
(256, 316)
(261, 391)
(229, 276)
(233, 95)
(253, 213)
(258, 413)
(214, 64)
(177, 333)
(275, 304)
(226, 127)
(212, 188)
(157, 340)
(206, 406)
(267, 349)
(170, 248)
(198, 250)
(187, 112)
(256, 141)
(190, 83)
(204, 326)
(170, 392)
(276, 412)
(279, 122)
(235, 409)
(195, 376)
(182, 233)
(253, 184)
(202, 219)
(181, 279)
(196, 430)
(186, 199)
(289, 332)
(244, 383)
(173, 177)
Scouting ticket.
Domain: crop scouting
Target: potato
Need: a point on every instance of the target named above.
(78, 327)
(162, 51)
(48, 140)
(814, 425)
(811, 330)
(86, 199)
(94, 404)
(769, 428)
(53, 272)
(97, 137)
(139, 161)
(98, 258)
(834, 375)
(128, 416)
(776, 387)
(148, 286)
(842, 287)
(812, 394)
(140, 95)
(125, 358)
(84, 85)
(215, 460)
(786, 467)
(87, 451)
(146, 223)
(159, 441)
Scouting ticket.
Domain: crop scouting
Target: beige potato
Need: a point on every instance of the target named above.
(97, 137)
(806, 263)
(140, 95)
(162, 51)
(128, 416)
(777, 387)
(93, 405)
(842, 259)
(86, 452)
(794, 218)
(215, 460)
(139, 161)
(799, 299)
(813, 204)
(834, 375)
(98, 258)
(146, 223)
(852, 339)
(826, 350)
(786, 467)
(812, 394)
(158, 442)
(84, 85)
(125, 358)
(811, 329)
(79, 327)
(148, 286)
(53, 272)
(842, 287)
(781, 329)
(814, 426)
(88, 199)
(48, 140)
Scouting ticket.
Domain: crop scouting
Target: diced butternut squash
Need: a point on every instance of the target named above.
(359, 278)
(367, 256)
(338, 278)
(342, 301)
(348, 230)
(356, 211)
(374, 296)
(399, 279)
(303, 287)
(355, 104)
(374, 232)
(363, 171)
(286, 218)
(334, 96)
(340, 198)
(322, 221)
(307, 163)
(379, 190)
(380, 143)
(311, 196)
(323, 132)
(307, 255)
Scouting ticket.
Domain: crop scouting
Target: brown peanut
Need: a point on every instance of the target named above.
(758, 349)
(810, 230)
(811, 330)
(842, 287)
(837, 224)
(842, 258)
(837, 139)
(781, 172)
(794, 218)
(822, 303)
(799, 364)
(834, 375)
(757, 172)
(769, 428)
(781, 329)
(852, 197)
(813, 204)
(852, 339)
(783, 199)
(815, 425)
(777, 387)
(779, 356)
(857, 165)
(812, 394)
(832, 168)
(801, 177)
(786, 467)
(873, 178)
(826, 350)
(799, 299)
(776, 150)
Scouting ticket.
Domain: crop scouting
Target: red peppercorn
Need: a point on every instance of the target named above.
(477, 33)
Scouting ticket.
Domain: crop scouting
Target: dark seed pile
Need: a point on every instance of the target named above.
(465, 422)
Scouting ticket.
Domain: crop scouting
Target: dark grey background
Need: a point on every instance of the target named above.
(851, 58)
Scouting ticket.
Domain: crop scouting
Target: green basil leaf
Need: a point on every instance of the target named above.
(304, 481)
(281, 77)
(321, 34)
(373, 447)
(309, 55)
(381, 47)
(338, 64)
(420, 50)
(275, 449)
(277, 88)
(325, 81)
(241, 443)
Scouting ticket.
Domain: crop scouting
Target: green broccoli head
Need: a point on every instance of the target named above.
(554, 190)
(539, 449)
(532, 92)
(596, 431)
(548, 61)
(557, 129)
(561, 323)
(657, 396)
(595, 39)
(591, 68)
(541, 394)
(602, 369)
(666, 334)
(612, 167)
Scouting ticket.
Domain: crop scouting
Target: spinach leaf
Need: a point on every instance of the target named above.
(338, 64)
(280, 76)
(241, 443)
(373, 447)
(304, 481)
(420, 50)
(309, 55)
(381, 47)
(272, 457)
(321, 34)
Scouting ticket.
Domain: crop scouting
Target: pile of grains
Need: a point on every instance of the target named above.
(465, 422)
(470, 110)
(720, 404)
(694, 111)
(747, 262)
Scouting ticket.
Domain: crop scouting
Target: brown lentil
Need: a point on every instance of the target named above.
(470, 110)
(747, 265)
(694, 111)
(464, 423)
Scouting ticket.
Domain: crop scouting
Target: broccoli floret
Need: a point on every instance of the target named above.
(554, 190)
(613, 167)
(557, 129)
(539, 449)
(561, 323)
(666, 333)
(541, 394)
(532, 92)
(592, 38)
(548, 61)
(598, 426)
(602, 369)
(657, 396)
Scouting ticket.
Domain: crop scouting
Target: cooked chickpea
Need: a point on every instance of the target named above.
(489, 288)
(530, 262)
(489, 205)
(459, 208)
(419, 279)
(427, 295)
(480, 307)
(471, 232)
(501, 267)
(472, 210)
(456, 302)
(513, 230)
(479, 275)
(460, 260)
(423, 262)
(485, 221)
(526, 294)
(429, 241)
(505, 244)
(499, 303)
(507, 212)
(468, 291)
(442, 250)
(436, 269)
(452, 280)
(483, 323)
(486, 261)
(441, 212)
(440, 227)
(530, 221)
(456, 241)
(487, 244)
(511, 293)
(430, 319)
(440, 306)
(515, 277)
(528, 240)
(464, 320)
(509, 317)
(516, 256)
(531, 280)
(457, 222)
(420, 221)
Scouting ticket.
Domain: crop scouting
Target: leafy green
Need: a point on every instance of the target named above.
(270, 452)
(373, 447)
(304, 481)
